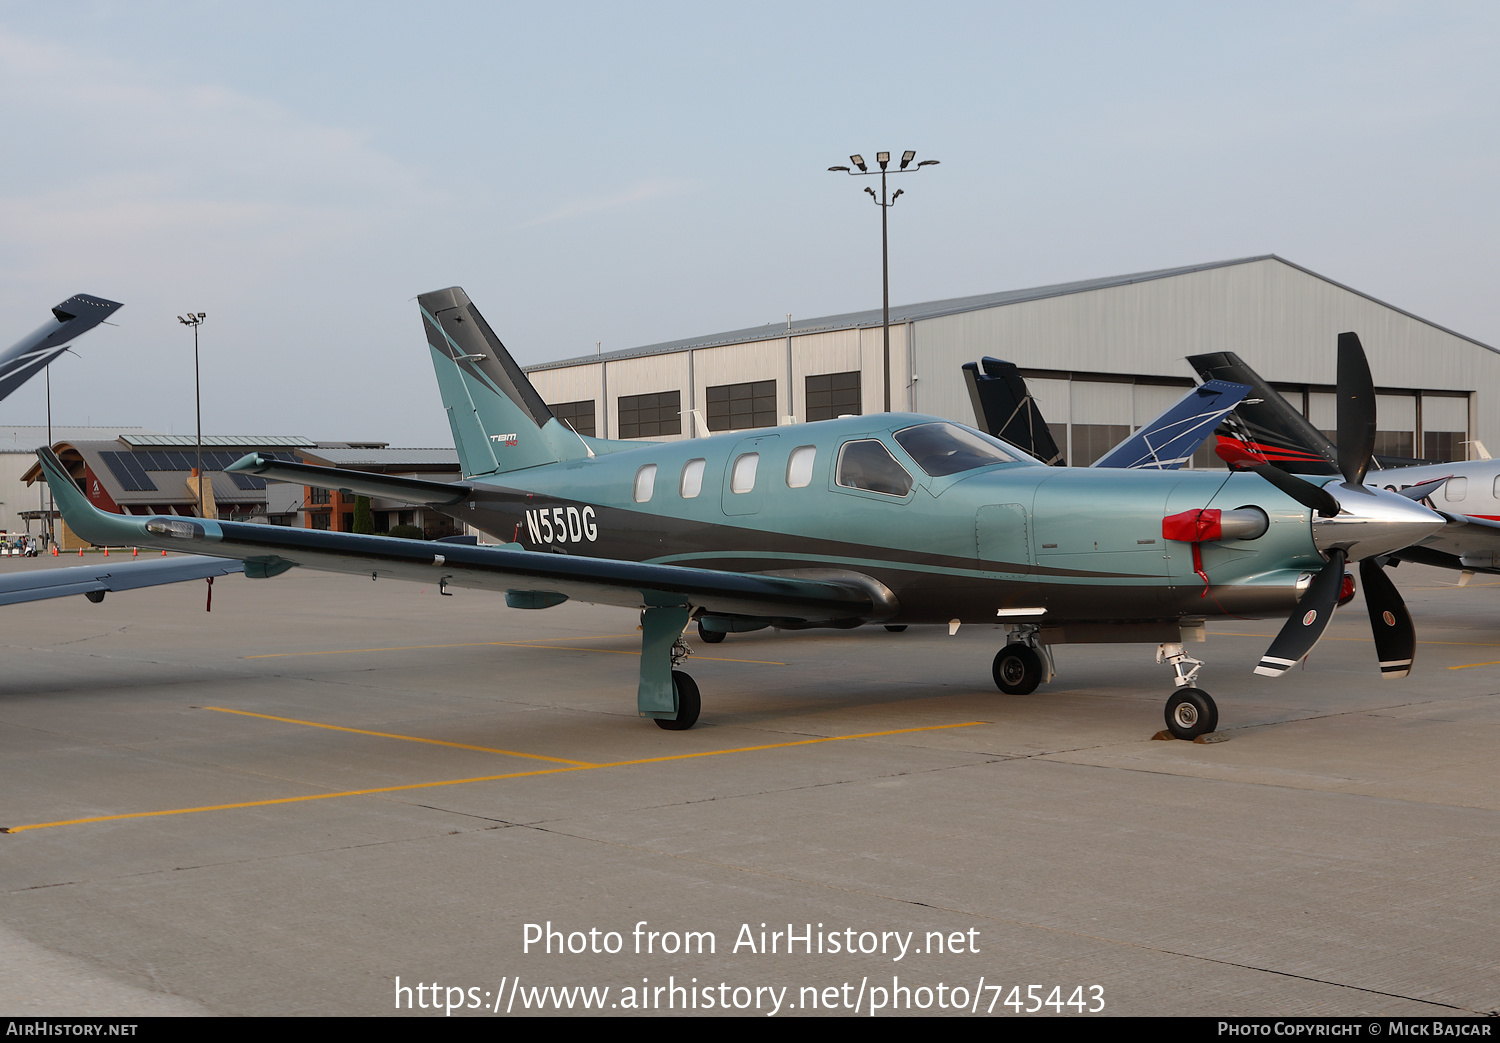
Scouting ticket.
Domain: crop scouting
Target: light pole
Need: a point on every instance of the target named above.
(196, 320)
(884, 160)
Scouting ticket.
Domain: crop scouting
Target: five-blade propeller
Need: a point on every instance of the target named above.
(1395, 637)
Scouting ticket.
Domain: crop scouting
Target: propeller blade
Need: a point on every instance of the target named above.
(1304, 492)
(1395, 637)
(1308, 621)
(1421, 492)
(1356, 410)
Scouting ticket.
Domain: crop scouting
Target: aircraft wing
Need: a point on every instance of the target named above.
(1465, 543)
(98, 579)
(74, 316)
(360, 483)
(1170, 440)
(530, 578)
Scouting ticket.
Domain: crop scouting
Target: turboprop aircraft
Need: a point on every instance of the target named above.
(18, 364)
(891, 518)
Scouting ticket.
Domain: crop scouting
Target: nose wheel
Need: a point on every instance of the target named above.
(1191, 712)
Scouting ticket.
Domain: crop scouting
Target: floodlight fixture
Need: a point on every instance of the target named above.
(885, 203)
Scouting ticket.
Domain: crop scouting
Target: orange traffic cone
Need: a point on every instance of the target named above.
(80, 552)
(135, 552)
(106, 552)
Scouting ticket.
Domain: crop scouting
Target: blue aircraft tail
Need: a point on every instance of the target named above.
(499, 421)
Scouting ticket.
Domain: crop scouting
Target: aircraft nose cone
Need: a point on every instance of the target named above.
(1373, 522)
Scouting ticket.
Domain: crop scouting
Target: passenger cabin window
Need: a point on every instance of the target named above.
(742, 479)
(1456, 489)
(645, 483)
(869, 465)
(692, 478)
(799, 466)
(941, 449)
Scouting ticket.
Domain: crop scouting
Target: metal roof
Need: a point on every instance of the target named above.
(24, 438)
(232, 441)
(950, 306)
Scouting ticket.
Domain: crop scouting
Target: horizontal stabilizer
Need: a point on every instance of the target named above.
(1170, 440)
(359, 483)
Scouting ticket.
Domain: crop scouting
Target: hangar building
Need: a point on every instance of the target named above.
(1102, 357)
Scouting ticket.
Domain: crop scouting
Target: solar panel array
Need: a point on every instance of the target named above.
(130, 468)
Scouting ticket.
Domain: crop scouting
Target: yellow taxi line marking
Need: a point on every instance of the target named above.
(414, 648)
(509, 644)
(407, 738)
(1465, 666)
(480, 778)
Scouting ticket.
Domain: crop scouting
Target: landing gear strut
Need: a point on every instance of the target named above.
(1190, 711)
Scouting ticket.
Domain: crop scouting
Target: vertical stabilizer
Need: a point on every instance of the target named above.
(499, 421)
(1003, 406)
(74, 316)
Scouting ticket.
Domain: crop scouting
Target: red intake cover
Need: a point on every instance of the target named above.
(1200, 526)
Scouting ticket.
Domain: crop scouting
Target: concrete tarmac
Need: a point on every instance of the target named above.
(338, 796)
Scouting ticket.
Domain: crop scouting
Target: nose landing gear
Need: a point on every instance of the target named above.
(1191, 711)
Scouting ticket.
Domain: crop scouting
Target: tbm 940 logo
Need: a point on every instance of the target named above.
(562, 525)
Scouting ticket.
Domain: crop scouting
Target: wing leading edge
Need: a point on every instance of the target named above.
(268, 550)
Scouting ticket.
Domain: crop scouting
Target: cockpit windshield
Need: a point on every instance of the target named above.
(942, 449)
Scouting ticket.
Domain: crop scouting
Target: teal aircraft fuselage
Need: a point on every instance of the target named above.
(1073, 544)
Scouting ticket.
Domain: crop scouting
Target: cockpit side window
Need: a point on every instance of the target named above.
(941, 449)
(869, 465)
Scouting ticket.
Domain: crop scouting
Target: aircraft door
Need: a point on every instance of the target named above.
(1002, 539)
(749, 470)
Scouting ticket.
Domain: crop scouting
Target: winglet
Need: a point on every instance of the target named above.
(98, 527)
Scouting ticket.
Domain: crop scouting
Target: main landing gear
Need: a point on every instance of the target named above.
(1023, 663)
(1190, 711)
(666, 695)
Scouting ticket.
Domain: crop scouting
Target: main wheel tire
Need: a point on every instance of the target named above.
(1191, 712)
(688, 704)
(895, 628)
(712, 637)
(1017, 669)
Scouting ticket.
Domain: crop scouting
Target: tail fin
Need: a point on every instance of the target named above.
(1003, 406)
(27, 357)
(1266, 423)
(499, 421)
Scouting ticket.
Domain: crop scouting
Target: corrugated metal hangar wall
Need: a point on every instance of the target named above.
(1101, 356)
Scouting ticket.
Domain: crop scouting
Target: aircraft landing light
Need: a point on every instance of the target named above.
(481, 778)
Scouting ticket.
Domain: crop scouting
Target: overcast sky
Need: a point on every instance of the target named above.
(628, 173)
